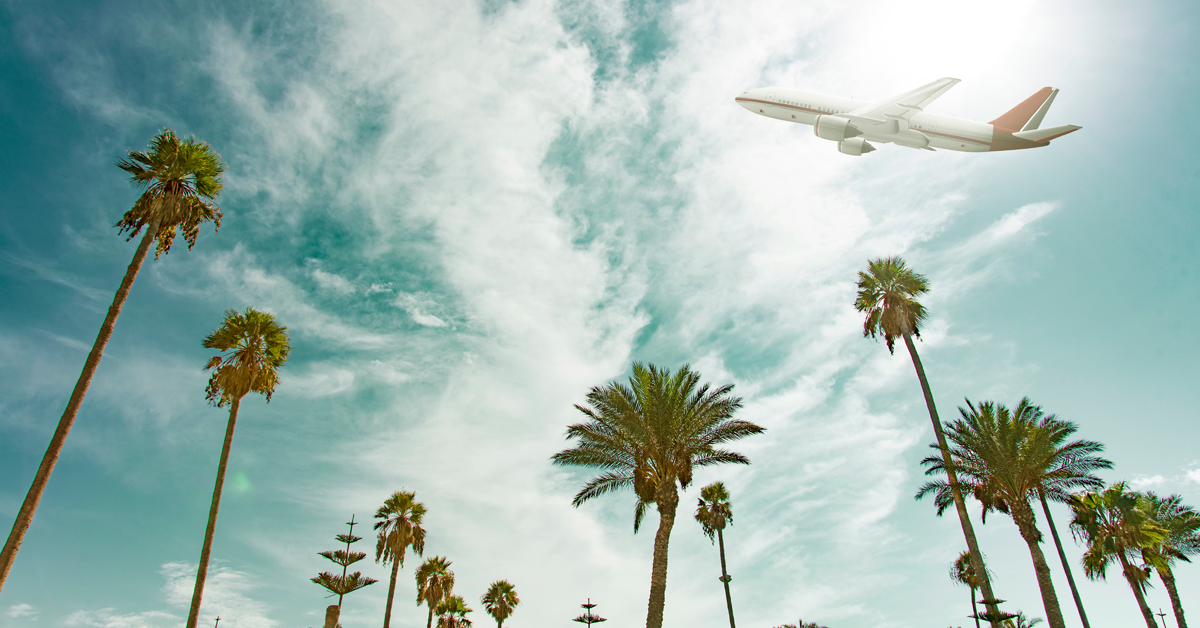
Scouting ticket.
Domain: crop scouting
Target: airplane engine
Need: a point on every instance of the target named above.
(834, 128)
(855, 146)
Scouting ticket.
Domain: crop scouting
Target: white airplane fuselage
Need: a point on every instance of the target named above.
(914, 129)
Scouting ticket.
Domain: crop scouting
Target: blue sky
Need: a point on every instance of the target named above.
(467, 214)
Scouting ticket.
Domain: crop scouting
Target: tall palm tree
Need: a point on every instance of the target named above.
(452, 612)
(1008, 456)
(253, 348)
(1114, 527)
(887, 294)
(435, 582)
(713, 511)
(500, 600)
(1182, 524)
(181, 180)
(649, 436)
(962, 571)
(399, 529)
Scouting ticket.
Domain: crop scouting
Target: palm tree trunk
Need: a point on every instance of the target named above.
(974, 608)
(1168, 579)
(1062, 556)
(429, 622)
(1023, 516)
(29, 506)
(1137, 588)
(202, 572)
(668, 501)
(725, 578)
(993, 611)
(387, 614)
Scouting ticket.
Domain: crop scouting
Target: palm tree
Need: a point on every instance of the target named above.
(963, 571)
(435, 581)
(1182, 524)
(1006, 457)
(181, 180)
(254, 347)
(500, 600)
(648, 436)
(713, 511)
(452, 612)
(1021, 621)
(1113, 526)
(887, 295)
(399, 529)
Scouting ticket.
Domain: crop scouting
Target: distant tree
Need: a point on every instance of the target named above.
(253, 348)
(399, 529)
(588, 617)
(1021, 621)
(435, 582)
(713, 512)
(962, 571)
(500, 600)
(452, 612)
(802, 624)
(1182, 524)
(649, 436)
(343, 584)
(182, 180)
(1115, 528)
(887, 294)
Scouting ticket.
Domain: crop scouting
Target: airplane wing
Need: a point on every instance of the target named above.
(902, 106)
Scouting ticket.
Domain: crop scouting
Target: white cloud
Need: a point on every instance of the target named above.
(225, 593)
(1193, 475)
(17, 611)
(329, 281)
(1144, 482)
(109, 618)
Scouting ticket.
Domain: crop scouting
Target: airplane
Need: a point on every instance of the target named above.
(902, 120)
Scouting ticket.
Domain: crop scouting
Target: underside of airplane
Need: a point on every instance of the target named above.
(902, 120)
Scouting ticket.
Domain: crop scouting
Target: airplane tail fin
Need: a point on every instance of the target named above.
(1027, 115)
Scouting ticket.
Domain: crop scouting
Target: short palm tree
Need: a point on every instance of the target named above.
(452, 612)
(963, 572)
(435, 582)
(1021, 621)
(1007, 457)
(649, 436)
(399, 528)
(1182, 524)
(887, 294)
(253, 348)
(500, 600)
(713, 512)
(1114, 527)
(181, 180)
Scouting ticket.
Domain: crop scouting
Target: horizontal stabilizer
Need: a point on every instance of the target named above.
(1045, 135)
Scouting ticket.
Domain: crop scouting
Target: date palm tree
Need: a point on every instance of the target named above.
(649, 436)
(181, 181)
(1182, 524)
(713, 512)
(399, 529)
(435, 582)
(1007, 457)
(1114, 527)
(500, 600)
(887, 294)
(253, 348)
(962, 571)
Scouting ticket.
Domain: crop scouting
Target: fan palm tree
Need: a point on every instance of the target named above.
(1021, 621)
(435, 581)
(500, 600)
(1182, 524)
(713, 511)
(452, 612)
(181, 180)
(963, 572)
(399, 529)
(887, 294)
(254, 347)
(1006, 457)
(649, 436)
(1114, 527)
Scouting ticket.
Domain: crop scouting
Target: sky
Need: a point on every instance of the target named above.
(469, 212)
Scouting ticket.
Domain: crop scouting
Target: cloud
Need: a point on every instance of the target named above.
(46, 271)
(109, 618)
(1143, 482)
(17, 611)
(329, 281)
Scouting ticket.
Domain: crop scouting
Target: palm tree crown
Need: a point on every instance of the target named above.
(435, 581)
(1182, 525)
(399, 528)
(887, 294)
(453, 612)
(500, 600)
(713, 510)
(181, 180)
(254, 347)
